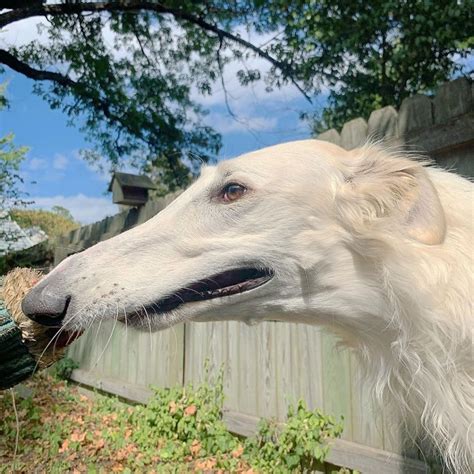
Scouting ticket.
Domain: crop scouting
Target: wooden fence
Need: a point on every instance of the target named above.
(265, 368)
(272, 364)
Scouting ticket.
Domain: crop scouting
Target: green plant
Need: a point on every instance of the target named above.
(64, 367)
(301, 443)
(52, 223)
(11, 183)
(189, 419)
(180, 430)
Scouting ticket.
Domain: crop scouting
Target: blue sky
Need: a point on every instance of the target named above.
(54, 172)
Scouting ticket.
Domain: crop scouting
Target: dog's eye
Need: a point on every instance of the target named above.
(232, 192)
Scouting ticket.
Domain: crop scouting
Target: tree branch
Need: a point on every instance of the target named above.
(83, 91)
(136, 5)
(19, 3)
(226, 93)
(38, 75)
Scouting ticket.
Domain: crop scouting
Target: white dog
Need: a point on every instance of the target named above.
(368, 242)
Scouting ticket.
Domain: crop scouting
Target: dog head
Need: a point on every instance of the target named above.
(284, 233)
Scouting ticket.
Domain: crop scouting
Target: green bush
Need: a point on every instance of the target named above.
(63, 368)
(189, 419)
(298, 444)
(179, 430)
(52, 223)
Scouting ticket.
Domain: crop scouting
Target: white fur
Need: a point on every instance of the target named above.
(371, 243)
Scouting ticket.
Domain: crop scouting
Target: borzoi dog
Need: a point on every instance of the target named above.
(369, 242)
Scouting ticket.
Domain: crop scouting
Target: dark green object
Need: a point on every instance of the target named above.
(16, 363)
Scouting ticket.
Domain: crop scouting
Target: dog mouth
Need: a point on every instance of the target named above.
(61, 339)
(230, 282)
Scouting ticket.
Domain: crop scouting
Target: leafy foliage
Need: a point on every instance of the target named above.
(63, 368)
(63, 212)
(134, 75)
(133, 71)
(369, 54)
(179, 430)
(11, 182)
(53, 223)
(10, 160)
(10, 179)
(189, 420)
(300, 444)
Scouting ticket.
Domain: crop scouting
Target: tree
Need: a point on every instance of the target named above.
(369, 53)
(131, 68)
(11, 193)
(10, 160)
(63, 212)
(10, 179)
(52, 223)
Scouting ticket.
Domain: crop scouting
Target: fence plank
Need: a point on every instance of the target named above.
(354, 133)
(331, 136)
(120, 353)
(453, 99)
(367, 424)
(336, 382)
(416, 113)
(383, 123)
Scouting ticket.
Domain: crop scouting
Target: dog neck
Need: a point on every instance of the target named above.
(421, 361)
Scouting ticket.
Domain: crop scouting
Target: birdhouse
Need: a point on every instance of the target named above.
(130, 189)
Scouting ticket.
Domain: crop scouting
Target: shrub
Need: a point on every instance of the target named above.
(63, 368)
(298, 444)
(180, 430)
(53, 224)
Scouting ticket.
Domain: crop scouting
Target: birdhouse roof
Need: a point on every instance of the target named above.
(132, 180)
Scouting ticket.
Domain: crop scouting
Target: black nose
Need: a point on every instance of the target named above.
(45, 307)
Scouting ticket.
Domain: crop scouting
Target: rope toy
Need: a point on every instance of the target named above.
(25, 346)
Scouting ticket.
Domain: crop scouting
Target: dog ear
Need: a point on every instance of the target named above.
(384, 188)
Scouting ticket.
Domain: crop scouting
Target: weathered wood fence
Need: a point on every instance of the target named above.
(274, 363)
(265, 368)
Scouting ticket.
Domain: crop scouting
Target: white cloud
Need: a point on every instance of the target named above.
(85, 209)
(35, 164)
(101, 169)
(257, 111)
(242, 97)
(60, 162)
(22, 32)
